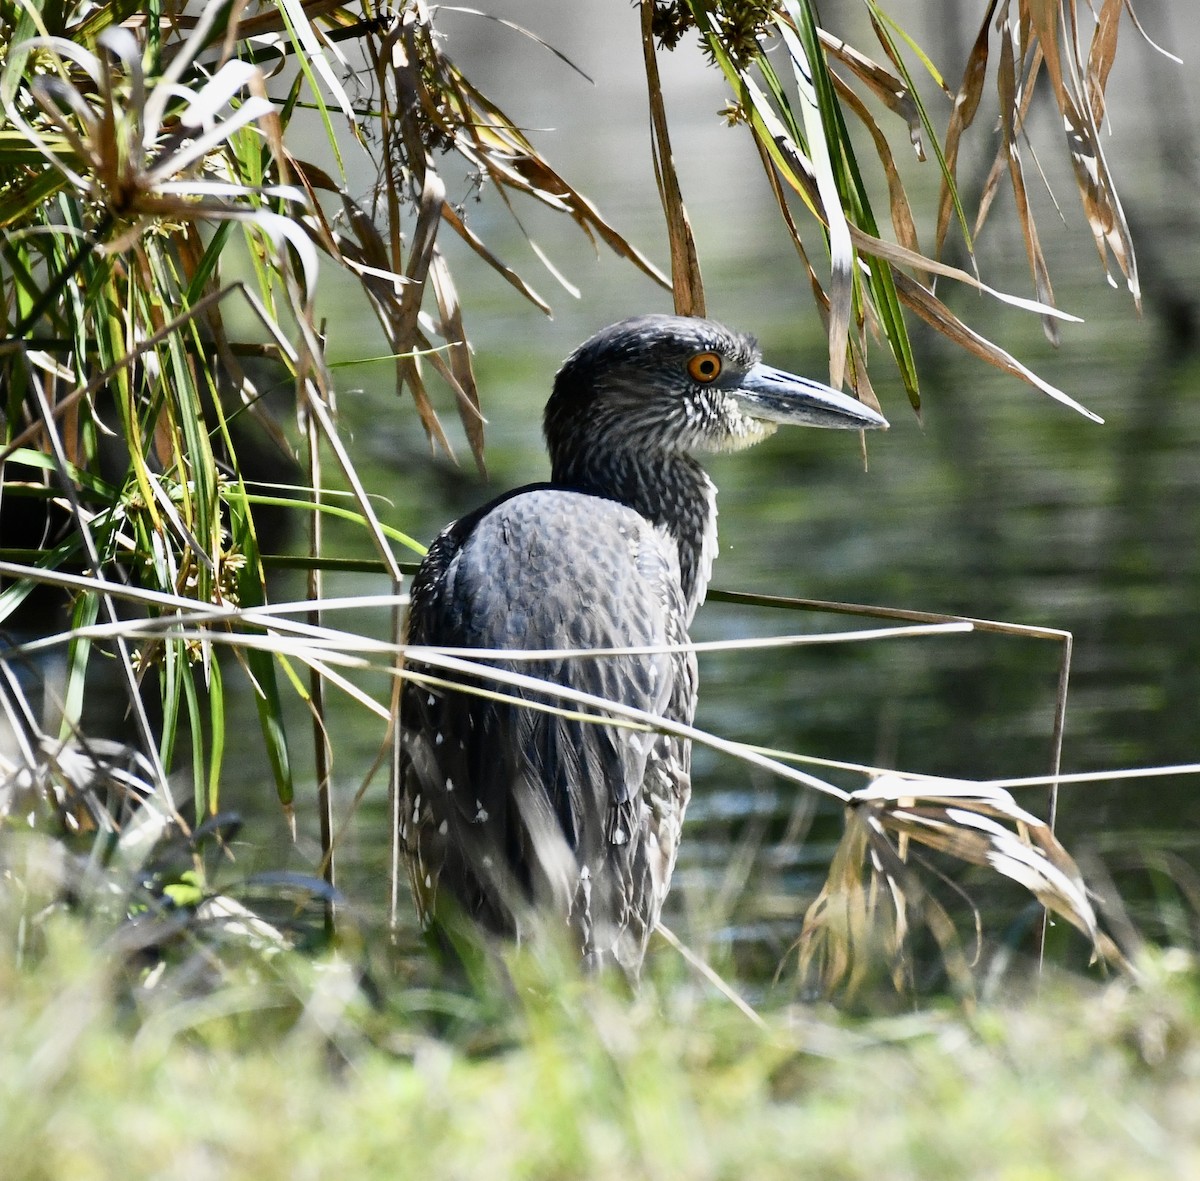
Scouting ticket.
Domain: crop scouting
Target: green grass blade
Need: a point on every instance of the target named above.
(251, 592)
(216, 730)
(195, 717)
(84, 613)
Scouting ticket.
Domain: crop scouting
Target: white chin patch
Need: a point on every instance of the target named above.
(747, 431)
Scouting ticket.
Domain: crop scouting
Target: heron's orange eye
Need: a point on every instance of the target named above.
(704, 367)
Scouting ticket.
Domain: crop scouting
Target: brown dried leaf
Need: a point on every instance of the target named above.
(1096, 189)
(839, 927)
(935, 313)
(846, 930)
(687, 282)
(861, 380)
(452, 331)
(1102, 55)
(883, 83)
(901, 211)
(962, 115)
(496, 145)
(819, 296)
(456, 223)
(420, 253)
(974, 823)
(409, 369)
(991, 186)
(986, 826)
(1007, 84)
(1000, 164)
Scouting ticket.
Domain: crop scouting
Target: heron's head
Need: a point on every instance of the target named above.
(673, 384)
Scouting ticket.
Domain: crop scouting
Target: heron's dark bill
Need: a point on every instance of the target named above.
(775, 395)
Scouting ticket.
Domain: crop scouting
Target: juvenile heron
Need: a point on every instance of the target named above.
(509, 811)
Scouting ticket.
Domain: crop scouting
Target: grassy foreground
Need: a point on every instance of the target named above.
(285, 1069)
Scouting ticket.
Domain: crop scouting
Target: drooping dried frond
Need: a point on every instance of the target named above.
(1030, 36)
(428, 107)
(874, 888)
(802, 129)
(1036, 35)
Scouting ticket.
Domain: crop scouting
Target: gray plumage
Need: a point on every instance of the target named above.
(508, 811)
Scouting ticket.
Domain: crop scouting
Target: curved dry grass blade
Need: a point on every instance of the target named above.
(933, 311)
(903, 224)
(999, 164)
(894, 94)
(962, 115)
(1101, 56)
(452, 331)
(709, 973)
(516, 28)
(1137, 24)
(985, 826)
(686, 281)
(1097, 191)
(570, 288)
(460, 227)
(1009, 106)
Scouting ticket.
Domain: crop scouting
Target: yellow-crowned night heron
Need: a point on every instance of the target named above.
(507, 811)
